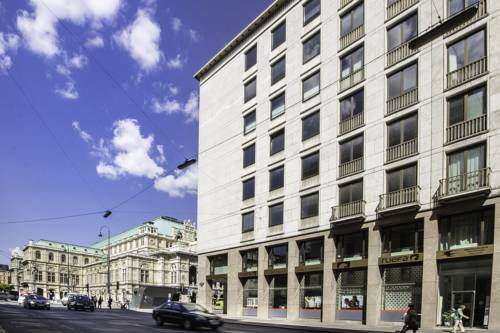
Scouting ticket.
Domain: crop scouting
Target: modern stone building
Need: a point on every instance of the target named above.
(343, 174)
(159, 252)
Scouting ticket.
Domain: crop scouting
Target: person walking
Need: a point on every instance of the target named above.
(99, 302)
(459, 316)
(411, 319)
(110, 301)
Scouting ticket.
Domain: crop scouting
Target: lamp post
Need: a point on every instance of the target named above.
(35, 277)
(108, 282)
(66, 249)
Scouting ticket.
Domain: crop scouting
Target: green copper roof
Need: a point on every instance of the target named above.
(72, 247)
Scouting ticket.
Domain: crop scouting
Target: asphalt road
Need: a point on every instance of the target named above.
(15, 319)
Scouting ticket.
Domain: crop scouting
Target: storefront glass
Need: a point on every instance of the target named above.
(403, 239)
(250, 260)
(278, 256)
(311, 295)
(218, 296)
(351, 294)
(402, 286)
(311, 252)
(466, 230)
(352, 246)
(278, 296)
(250, 300)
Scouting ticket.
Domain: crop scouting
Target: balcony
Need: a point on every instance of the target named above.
(470, 184)
(352, 123)
(403, 150)
(466, 73)
(351, 167)
(399, 7)
(481, 12)
(349, 211)
(352, 37)
(344, 3)
(399, 53)
(398, 201)
(352, 79)
(403, 101)
(466, 129)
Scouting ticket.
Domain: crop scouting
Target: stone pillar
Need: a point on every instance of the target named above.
(494, 320)
(329, 282)
(429, 273)
(204, 296)
(234, 292)
(293, 282)
(374, 279)
(263, 286)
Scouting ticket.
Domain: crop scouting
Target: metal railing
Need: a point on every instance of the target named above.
(354, 208)
(467, 72)
(399, 7)
(403, 101)
(406, 196)
(344, 3)
(399, 53)
(352, 123)
(351, 167)
(352, 79)
(471, 181)
(352, 37)
(402, 150)
(481, 12)
(466, 128)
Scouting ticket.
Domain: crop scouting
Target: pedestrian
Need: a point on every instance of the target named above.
(110, 301)
(99, 302)
(94, 300)
(459, 316)
(411, 319)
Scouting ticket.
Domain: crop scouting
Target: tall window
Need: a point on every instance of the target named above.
(352, 20)
(351, 192)
(466, 51)
(466, 230)
(311, 252)
(353, 246)
(463, 169)
(75, 260)
(309, 205)
(351, 105)
(278, 105)
(250, 260)
(277, 142)
(311, 86)
(247, 221)
(251, 58)
(51, 256)
(51, 277)
(311, 47)
(144, 276)
(278, 70)
(38, 276)
(278, 291)
(311, 292)
(86, 261)
(407, 238)
(249, 188)
(402, 32)
(310, 126)
(276, 214)
(276, 178)
(456, 6)
(352, 62)
(312, 9)
(63, 258)
(402, 178)
(249, 122)
(402, 130)
(310, 165)
(249, 155)
(351, 150)
(250, 89)
(278, 256)
(403, 81)
(278, 35)
(467, 106)
(250, 292)
(38, 255)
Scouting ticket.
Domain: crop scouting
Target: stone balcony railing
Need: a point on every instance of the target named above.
(481, 12)
(467, 73)
(402, 150)
(465, 183)
(403, 101)
(399, 7)
(344, 3)
(352, 37)
(351, 209)
(467, 128)
(403, 197)
(352, 123)
(352, 79)
(399, 53)
(351, 167)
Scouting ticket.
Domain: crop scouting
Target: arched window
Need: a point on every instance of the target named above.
(51, 256)
(75, 260)
(86, 261)
(63, 258)
(38, 255)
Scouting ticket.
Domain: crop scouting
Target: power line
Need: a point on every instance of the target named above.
(52, 218)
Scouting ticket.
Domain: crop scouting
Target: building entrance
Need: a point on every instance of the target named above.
(466, 298)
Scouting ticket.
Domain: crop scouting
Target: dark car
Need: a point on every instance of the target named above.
(5, 297)
(80, 302)
(36, 302)
(188, 315)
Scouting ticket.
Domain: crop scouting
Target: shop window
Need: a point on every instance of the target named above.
(466, 230)
(250, 292)
(352, 246)
(278, 294)
(311, 295)
(250, 260)
(402, 286)
(403, 239)
(311, 252)
(278, 256)
(351, 294)
(218, 264)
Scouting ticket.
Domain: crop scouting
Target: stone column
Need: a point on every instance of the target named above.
(263, 286)
(494, 320)
(204, 296)
(234, 292)
(374, 279)
(293, 282)
(329, 282)
(430, 273)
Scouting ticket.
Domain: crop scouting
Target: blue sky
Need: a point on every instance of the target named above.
(114, 110)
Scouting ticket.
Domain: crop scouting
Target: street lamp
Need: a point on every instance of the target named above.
(66, 249)
(108, 283)
(35, 276)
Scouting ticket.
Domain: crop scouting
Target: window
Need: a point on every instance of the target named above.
(144, 276)
(38, 276)
(311, 86)
(310, 126)
(63, 258)
(352, 20)
(352, 246)
(466, 230)
(51, 277)
(277, 142)
(310, 165)
(63, 278)
(311, 252)
(218, 264)
(312, 9)
(466, 162)
(467, 106)
(249, 188)
(309, 205)
(250, 89)
(249, 155)
(278, 70)
(402, 32)
(250, 292)
(403, 81)
(352, 105)
(86, 261)
(278, 35)
(250, 58)
(51, 256)
(466, 51)
(402, 130)
(247, 221)
(278, 256)
(38, 255)
(311, 47)
(456, 6)
(403, 239)
(311, 291)
(351, 192)
(402, 178)
(278, 105)
(276, 214)
(249, 122)
(352, 62)
(278, 291)
(351, 150)
(250, 260)
(75, 260)
(276, 178)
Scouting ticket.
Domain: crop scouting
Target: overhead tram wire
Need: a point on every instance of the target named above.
(53, 218)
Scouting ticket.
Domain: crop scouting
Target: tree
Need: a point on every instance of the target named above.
(5, 287)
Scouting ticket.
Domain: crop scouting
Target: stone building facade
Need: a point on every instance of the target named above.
(4, 275)
(349, 173)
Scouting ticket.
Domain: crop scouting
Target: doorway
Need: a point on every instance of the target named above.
(467, 298)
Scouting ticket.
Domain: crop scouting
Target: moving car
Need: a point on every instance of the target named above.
(80, 302)
(21, 298)
(64, 300)
(36, 302)
(6, 297)
(189, 315)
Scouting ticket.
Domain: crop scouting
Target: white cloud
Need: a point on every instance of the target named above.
(63, 70)
(68, 91)
(176, 24)
(176, 63)
(39, 27)
(169, 106)
(180, 183)
(173, 89)
(161, 157)
(131, 153)
(83, 134)
(95, 41)
(78, 61)
(8, 43)
(191, 108)
(193, 35)
(16, 251)
(142, 40)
